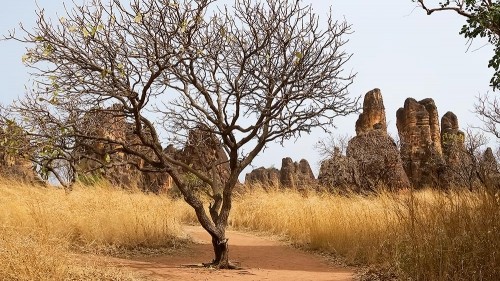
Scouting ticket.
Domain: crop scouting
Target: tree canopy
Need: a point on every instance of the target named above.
(242, 76)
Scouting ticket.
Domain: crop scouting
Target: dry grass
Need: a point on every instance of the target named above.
(41, 229)
(427, 235)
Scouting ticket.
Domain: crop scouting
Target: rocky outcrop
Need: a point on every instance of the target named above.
(267, 177)
(373, 116)
(102, 159)
(461, 167)
(380, 167)
(295, 174)
(340, 173)
(204, 153)
(452, 139)
(435, 134)
(418, 129)
(372, 159)
(292, 174)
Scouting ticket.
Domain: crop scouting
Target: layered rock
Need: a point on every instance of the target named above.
(373, 115)
(340, 173)
(291, 175)
(418, 129)
(204, 153)
(372, 159)
(452, 138)
(295, 174)
(267, 177)
(100, 158)
(378, 160)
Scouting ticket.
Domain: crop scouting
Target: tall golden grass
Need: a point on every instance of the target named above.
(424, 235)
(43, 230)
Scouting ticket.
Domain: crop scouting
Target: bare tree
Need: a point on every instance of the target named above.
(332, 145)
(463, 158)
(248, 75)
(488, 110)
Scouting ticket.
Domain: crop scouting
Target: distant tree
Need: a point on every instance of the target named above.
(251, 74)
(333, 145)
(483, 20)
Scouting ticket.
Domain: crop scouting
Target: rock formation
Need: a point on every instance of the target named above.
(488, 169)
(380, 167)
(339, 173)
(295, 174)
(100, 159)
(418, 129)
(204, 153)
(452, 139)
(372, 159)
(373, 115)
(267, 177)
(291, 175)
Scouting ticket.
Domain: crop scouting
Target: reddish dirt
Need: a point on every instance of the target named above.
(260, 259)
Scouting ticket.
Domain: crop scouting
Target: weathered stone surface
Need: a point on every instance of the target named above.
(373, 116)
(291, 175)
(451, 137)
(489, 162)
(120, 169)
(380, 167)
(435, 134)
(267, 177)
(340, 173)
(418, 129)
(204, 153)
(461, 170)
(372, 159)
(295, 174)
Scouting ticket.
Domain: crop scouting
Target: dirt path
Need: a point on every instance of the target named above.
(260, 258)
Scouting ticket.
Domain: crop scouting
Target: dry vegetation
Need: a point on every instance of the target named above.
(426, 235)
(45, 231)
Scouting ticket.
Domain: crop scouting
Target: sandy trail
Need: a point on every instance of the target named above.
(260, 258)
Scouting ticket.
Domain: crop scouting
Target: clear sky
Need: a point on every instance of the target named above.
(396, 48)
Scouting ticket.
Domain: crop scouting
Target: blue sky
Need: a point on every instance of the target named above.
(396, 48)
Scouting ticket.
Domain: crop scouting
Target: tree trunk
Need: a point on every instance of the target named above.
(221, 250)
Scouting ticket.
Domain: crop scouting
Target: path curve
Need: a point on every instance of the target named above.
(259, 257)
